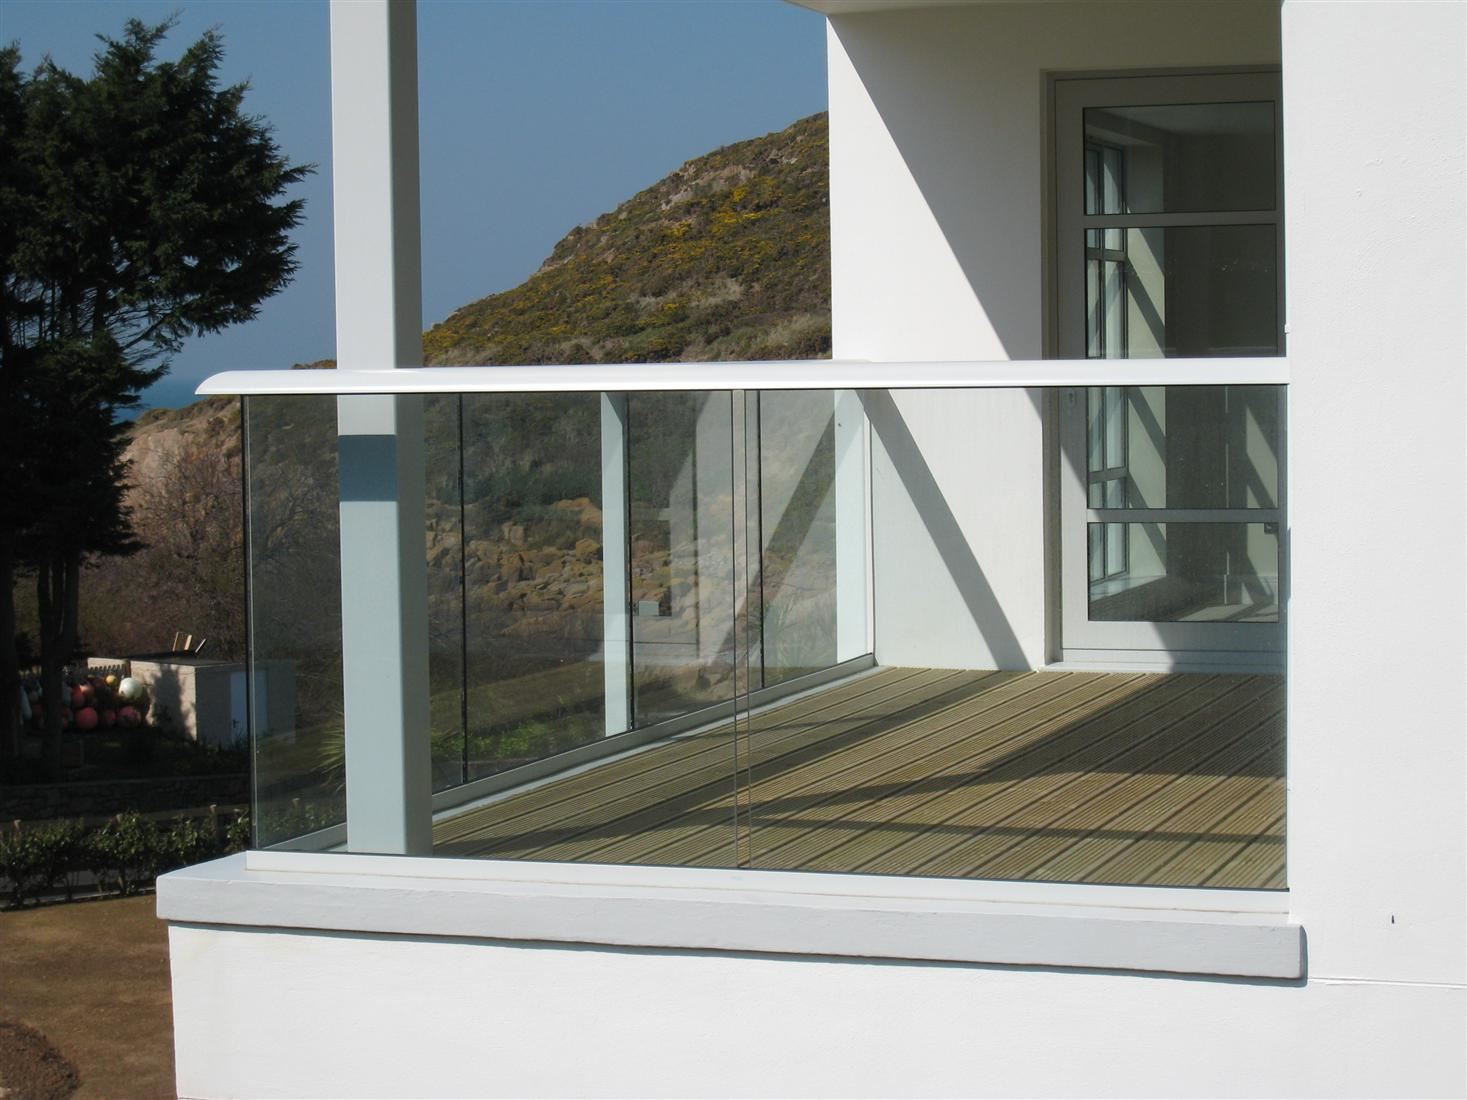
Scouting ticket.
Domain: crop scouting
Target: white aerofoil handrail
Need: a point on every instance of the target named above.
(807, 374)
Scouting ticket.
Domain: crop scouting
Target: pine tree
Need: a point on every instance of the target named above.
(138, 206)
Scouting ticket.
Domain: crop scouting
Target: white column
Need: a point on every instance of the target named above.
(852, 578)
(1375, 120)
(615, 550)
(384, 621)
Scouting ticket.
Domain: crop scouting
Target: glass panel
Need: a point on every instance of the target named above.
(1115, 437)
(798, 532)
(1184, 446)
(680, 471)
(532, 549)
(1194, 291)
(1191, 572)
(1113, 182)
(935, 764)
(297, 738)
(1092, 180)
(1094, 322)
(1182, 158)
(447, 586)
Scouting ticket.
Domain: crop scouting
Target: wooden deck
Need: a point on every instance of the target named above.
(1172, 779)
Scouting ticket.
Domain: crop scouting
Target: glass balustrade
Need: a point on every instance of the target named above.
(653, 633)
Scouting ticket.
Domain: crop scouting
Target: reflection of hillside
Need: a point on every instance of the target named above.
(513, 544)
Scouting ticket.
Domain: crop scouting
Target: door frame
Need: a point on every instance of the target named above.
(1151, 644)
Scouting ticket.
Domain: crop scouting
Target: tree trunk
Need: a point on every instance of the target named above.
(9, 667)
(56, 592)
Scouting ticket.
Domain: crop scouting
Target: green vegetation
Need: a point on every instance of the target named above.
(727, 258)
(123, 855)
(142, 205)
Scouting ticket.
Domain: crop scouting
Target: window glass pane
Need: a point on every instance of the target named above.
(798, 532)
(1112, 181)
(1195, 291)
(1115, 549)
(532, 543)
(1184, 447)
(1113, 342)
(1183, 158)
(680, 469)
(447, 586)
(1189, 572)
(297, 731)
(1094, 324)
(1092, 180)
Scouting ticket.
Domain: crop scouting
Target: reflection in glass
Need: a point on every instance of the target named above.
(444, 546)
(532, 559)
(1179, 158)
(297, 732)
(798, 533)
(680, 477)
(1183, 446)
(1190, 572)
(1191, 291)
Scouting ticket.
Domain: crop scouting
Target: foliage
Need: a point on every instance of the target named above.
(123, 855)
(140, 208)
(727, 258)
(40, 860)
(186, 504)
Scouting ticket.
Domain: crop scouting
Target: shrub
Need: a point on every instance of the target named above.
(237, 834)
(126, 854)
(18, 862)
(124, 851)
(40, 860)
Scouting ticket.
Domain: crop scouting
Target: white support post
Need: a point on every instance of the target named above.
(616, 645)
(852, 584)
(384, 621)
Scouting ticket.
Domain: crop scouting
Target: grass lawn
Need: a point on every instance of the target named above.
(92, 978)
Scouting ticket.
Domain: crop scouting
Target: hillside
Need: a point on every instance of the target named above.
(726, 258)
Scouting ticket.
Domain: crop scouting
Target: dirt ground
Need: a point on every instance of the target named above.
(85, 1008)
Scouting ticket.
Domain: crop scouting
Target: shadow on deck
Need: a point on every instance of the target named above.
(1143, 779)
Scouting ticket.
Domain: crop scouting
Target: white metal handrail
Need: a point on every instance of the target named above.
(809, 374)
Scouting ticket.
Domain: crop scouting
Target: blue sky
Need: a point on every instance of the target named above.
(535, 116)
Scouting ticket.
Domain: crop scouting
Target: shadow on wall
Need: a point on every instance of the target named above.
(944, 530)
(932, 123)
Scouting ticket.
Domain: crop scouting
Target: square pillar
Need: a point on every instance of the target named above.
(379, 324)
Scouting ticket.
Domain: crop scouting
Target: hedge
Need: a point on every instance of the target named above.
(124, 854)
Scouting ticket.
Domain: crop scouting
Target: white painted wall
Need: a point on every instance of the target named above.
(1375, 126)
(275, 1014)
(1374, 122)
(938, 209)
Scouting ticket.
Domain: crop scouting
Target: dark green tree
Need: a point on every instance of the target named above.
(138, 206)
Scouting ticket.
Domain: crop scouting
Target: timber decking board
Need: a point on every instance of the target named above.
(1137, 778)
